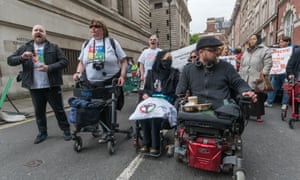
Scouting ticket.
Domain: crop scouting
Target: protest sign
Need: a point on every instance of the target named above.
(181, 56)
(230, 59)
(280, 57)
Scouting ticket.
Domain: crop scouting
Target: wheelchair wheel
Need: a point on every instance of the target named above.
(129, 132)
(78, 144)
(291, 123)
(111, 147)
(239, 175)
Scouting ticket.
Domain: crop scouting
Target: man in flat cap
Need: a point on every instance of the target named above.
(213, 81)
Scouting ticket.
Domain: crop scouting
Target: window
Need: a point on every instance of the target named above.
(158, 5)
(167, 11)
(72, 56)
(121, 7)
(167, 22)
(150, 14)
(150, 25)
(289, 24)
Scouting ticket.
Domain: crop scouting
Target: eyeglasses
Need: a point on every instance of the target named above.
(95, 26)
(213, 50)
(192, 57)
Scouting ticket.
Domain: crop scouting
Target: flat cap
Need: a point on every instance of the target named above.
(208, 41)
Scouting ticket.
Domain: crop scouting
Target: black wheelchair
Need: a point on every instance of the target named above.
(87, 107)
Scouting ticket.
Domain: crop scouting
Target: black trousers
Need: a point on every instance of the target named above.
(54, 97)
(151, 131)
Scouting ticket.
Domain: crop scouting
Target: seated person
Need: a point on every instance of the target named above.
(162, 80)
(213, 81)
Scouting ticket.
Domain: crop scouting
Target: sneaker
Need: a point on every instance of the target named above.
(104, 138)
(67, 135)
(40, 138)
(144, 149)
(267, 104)
(259, 119)
(283, 107)
(154, 151)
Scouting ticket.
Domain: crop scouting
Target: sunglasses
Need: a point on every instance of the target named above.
(192, 57)
(95, 26)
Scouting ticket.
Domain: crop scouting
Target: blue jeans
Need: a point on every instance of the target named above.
(277, 81)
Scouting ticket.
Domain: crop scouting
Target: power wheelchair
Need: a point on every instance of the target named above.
(212, 140)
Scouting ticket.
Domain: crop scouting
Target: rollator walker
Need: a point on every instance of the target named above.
(87, 107)
(292, 88)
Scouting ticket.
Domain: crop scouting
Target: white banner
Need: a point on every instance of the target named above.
(230, 59)
(280, 57)
(181, 56)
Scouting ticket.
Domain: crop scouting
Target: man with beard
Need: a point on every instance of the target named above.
(42, 64)
(213, 81)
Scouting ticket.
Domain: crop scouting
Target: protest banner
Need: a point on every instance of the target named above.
(181, 56)
(280, 57)
(230, 59)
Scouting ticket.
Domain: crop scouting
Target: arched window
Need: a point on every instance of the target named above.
(289, 24)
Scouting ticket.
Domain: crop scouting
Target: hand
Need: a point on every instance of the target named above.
(145, 96)
(291, 76)
(142, 78)
(76, 76)
(27, 55)
(121, 81)
(43, 67)
(251, 94)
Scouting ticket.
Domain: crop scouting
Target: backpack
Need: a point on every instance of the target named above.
(112, 42)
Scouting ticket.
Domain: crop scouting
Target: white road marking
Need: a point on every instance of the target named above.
(129, 171)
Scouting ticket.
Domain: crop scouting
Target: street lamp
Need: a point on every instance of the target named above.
(170, 37)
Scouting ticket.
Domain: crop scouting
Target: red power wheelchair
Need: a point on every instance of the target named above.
(212, 141)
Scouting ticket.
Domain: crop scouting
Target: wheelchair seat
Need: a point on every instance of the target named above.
(200, 119)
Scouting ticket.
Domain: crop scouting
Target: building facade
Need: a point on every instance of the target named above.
(67, 24)
(217, 27)
(171, 28)
(269, 18)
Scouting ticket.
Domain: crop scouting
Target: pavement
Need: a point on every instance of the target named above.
(24, 106)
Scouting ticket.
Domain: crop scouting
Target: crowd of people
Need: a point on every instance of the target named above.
(102, 58)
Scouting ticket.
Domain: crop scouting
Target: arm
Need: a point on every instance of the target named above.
(182, 85)
(79, 71)
(267, 60)
(121, 79)
(60, 63)
(292, 64)
(142, 70)
(19, 57)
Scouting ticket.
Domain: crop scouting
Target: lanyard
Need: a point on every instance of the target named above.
(94, 50)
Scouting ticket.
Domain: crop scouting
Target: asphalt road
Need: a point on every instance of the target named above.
(271, 152)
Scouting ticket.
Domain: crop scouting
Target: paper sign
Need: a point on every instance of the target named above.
(280, 57)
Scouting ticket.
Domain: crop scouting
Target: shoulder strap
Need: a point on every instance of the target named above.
(112, 42)
(86, 43)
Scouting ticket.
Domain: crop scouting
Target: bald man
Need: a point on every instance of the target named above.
(42, 64)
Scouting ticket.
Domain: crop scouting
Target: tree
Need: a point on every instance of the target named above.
(194, 38)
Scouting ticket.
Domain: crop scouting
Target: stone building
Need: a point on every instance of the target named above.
(217, 27)
(272, 19)
(178, 20)
(67, 24)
